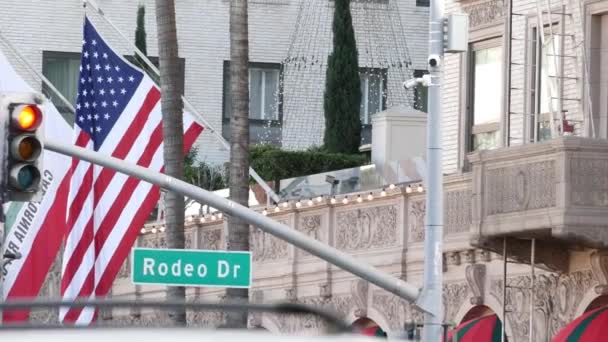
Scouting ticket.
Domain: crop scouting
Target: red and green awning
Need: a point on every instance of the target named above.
(373, 331)
(484, 329)
(591, 326)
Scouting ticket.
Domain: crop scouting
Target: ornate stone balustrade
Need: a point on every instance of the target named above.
(556, 191)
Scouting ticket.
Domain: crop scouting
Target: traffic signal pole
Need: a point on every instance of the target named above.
(336, 257)
(431, 298)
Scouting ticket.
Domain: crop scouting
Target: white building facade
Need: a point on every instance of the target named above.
(286, 106)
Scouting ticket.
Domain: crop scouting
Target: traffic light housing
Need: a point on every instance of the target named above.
(22, 116)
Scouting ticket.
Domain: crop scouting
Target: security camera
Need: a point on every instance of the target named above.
(331, 180)
(434, 61)
(411, 83)
(425, 80)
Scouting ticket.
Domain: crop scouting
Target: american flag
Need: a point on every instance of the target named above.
(118, 112)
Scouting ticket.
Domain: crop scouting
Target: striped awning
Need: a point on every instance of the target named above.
(373, 331)
(483, 329)
(591, 326)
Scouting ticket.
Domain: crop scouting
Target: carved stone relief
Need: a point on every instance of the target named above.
(255, 317)
(290, 324)
(50, 289)
(590, 186)
(206, 319)
(452, 258)
(210, 239)
(325, 290)
(454, 295)
(367, 228)
(359, 291)
(153, 241)
(189, 239)
(484, 13)
(556, 297)
(458, 211)
(266, 247)
(520, 187)
(416, 212)
(468, 256)
(310, 226)
(599, 266)
(124, 271)
(391, 307)
(476, 276)
(154, 319)
(51, 285)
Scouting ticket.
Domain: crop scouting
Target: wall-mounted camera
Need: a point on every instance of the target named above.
(434, 61)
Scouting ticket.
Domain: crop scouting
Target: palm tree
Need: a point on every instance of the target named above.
(238, 230)
(173, 139)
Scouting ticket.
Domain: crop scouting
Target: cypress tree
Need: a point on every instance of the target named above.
(140, 35)
(342, 99)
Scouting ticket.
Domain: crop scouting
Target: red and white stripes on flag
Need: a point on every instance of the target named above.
(118, 112)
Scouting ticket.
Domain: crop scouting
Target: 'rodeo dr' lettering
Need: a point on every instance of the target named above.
(175, 267)
(188, 270)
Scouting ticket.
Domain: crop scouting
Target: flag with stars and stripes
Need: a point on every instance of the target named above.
(118, 112)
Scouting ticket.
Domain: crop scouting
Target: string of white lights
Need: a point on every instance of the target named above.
(214, 216)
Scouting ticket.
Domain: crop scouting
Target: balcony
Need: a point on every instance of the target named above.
(556, 191)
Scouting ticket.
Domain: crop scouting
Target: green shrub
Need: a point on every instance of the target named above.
(274, 164)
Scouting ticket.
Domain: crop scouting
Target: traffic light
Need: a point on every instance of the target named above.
(21, 115)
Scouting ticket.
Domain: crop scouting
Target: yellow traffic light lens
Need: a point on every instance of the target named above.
(27, 117)
(26, 148)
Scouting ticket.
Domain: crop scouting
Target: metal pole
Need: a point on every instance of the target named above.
(507, 128)
(432, 296)
(198, 116)
(346, 262)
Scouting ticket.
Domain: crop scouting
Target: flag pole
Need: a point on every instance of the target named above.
(187, 103)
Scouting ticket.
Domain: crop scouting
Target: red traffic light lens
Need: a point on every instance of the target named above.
(27, 117)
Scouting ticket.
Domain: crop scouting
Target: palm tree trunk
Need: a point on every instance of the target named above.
(238, 230)
(173, 139)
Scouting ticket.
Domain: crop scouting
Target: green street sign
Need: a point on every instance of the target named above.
(180, 267)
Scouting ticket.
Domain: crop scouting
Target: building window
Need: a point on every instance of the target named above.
(485, 94)
(62, 69)
(265, 109)
(373, 99)
(544, 86)
(420, 93)
(373, 93)
(598, 76)
(423, 3)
